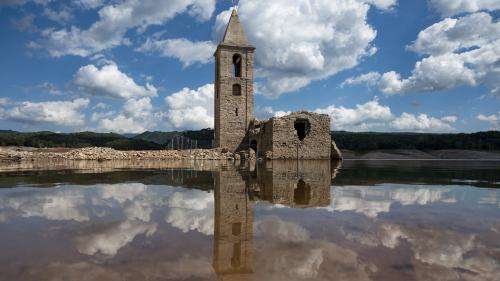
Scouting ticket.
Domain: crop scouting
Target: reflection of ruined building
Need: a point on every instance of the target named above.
(297, 184)
(300, 135)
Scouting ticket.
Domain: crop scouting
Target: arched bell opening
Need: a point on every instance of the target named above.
(236, 65)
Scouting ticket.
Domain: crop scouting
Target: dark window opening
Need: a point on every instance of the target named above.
(302, 194)
(236, 228)
(236, 90)
(253, 145)
(302, 126)
(236, 65)
(236, 111)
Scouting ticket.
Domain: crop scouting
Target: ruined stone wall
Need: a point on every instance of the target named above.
(263, 134)
(287, 145)
(233, 113)
(233, 226)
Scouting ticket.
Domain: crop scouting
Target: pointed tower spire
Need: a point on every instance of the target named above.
(235, 35)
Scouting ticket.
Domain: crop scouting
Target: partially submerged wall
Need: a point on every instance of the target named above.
(301, 135)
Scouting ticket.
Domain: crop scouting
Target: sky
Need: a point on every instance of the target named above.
(129, 66)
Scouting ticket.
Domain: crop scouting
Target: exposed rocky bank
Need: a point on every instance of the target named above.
(103, 154)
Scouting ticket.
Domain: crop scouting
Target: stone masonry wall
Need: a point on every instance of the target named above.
(287, 145)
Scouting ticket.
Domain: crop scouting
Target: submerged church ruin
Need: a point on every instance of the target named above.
(299, 135)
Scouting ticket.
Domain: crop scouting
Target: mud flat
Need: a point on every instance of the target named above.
(410, 154)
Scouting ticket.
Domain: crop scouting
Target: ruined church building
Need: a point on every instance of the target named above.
(300, 135)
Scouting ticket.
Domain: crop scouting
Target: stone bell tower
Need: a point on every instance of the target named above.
(233, 87)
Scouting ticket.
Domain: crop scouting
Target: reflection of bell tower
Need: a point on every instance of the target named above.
(233, 231)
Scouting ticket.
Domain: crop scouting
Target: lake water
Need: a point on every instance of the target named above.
(308, 220)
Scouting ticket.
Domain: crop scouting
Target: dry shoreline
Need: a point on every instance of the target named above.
(105, 154)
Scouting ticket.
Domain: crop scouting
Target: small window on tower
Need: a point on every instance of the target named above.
(237, 90)
(237, 65)
(236, 111)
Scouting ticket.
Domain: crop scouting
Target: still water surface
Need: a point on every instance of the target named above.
(311, 220)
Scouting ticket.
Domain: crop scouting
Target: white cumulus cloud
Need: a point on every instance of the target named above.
(305, 40)
(453, 7)
(458, 52)
(370, 79)
(65, 113)
(373, 116)
(111, 82)
(493, 119)
(121, 124)
(382, 4)
(368, 116)
(192, 109)
(186, 51)
(463, 51)
(115, 19)
(422, 123)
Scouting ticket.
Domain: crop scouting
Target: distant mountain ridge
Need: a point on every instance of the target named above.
(74, 140)
(487, 141)
(202, 138)
(364, 141)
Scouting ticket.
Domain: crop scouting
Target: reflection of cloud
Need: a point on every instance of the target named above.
(109, 241)
(454, 251)
(78, 203)
(441, 252)
(121, 192)
(189, 210)
(281, 230)
(492, 198)
(55, 204)
(186, 220)
(374, 200)
(284, 250)
(390, 235)
(140, 210)
(310, 267)
(360, 205)
(192, 210)
(440, 248)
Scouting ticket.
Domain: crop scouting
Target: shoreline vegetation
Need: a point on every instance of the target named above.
(196, 145)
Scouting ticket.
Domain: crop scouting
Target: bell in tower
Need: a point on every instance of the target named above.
(233, 87)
